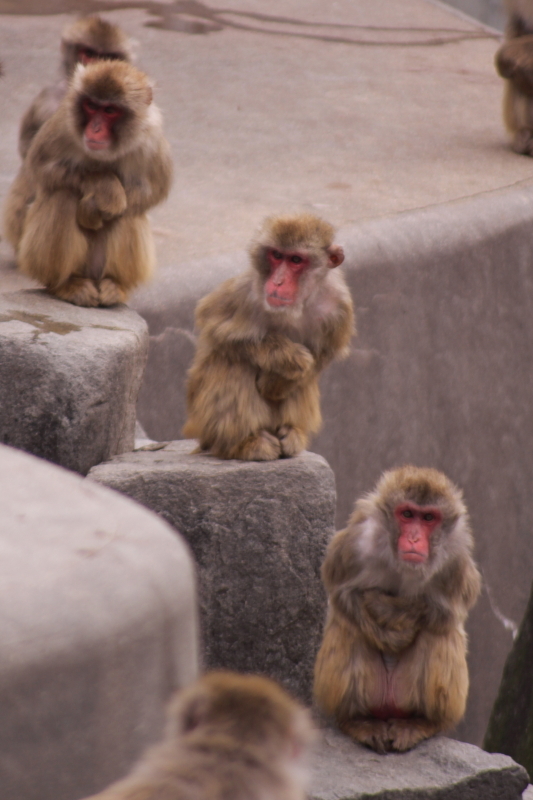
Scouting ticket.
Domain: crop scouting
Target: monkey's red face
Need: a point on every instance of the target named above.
(416, 524)
(99, 122)
(286, 269)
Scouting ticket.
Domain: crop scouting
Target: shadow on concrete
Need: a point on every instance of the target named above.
(194, 17)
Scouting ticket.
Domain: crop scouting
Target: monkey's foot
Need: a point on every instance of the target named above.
(292, 440)
(373, 733)
(262, 446)
(523, 142)
(111, 293)
(405, 733)
(78, 290)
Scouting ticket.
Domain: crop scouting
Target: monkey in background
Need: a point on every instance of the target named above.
(76, 212)
(229, 736)
(252, 390)
(83, 41)
(401, 579)
(514, 62)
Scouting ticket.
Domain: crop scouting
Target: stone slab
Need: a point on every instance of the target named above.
(69, 378)
(97, 627)
(258, 532)
(437, 769)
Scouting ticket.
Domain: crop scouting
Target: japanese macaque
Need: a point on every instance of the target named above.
(514, 62)
(252, 390)
(392, 665)
(85, 40)
(229, 736)
(75, 213)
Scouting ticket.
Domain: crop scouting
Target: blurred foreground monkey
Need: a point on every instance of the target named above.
(514, 61)
(252, 390)
(401, 579)
(229, 737)
(76, 212)
(85, 40)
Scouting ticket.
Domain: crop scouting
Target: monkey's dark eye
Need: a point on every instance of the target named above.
(277, 255)
(407, 513)
(89, 105)
(111, 111)
(296, 259)
(429, 517)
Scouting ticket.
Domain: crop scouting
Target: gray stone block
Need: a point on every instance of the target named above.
(258, 532)
(69, 378)
(437, 769)
(97, 627)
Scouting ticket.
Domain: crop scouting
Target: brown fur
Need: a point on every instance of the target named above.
(394, 631)
(77, 218)
(253, 387)
(514, 62)
(229, 736)
(104, 38)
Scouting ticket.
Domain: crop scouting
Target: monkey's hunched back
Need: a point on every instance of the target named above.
(229, 736)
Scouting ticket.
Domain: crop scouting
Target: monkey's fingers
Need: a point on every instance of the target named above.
(78, 290)
(514, 61)
(406, 733)
(372, 733)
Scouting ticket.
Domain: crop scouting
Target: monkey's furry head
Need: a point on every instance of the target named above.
(114, 83)
(422, 486)
(96, 34)
(291, 232)
(250, 708)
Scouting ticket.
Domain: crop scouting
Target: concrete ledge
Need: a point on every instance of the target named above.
(97, 628)
(258, 532)
(437, 769)
(69, 378)
(439, 375)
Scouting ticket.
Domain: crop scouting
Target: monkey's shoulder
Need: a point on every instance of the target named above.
(229, 301)
(514, 59)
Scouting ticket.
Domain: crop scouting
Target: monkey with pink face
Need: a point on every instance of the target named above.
(401, 579)
(265, 336)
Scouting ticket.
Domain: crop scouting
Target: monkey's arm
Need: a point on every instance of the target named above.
(42, 108)
(226, 318)
(337, 331)
(514, 61)
(388, 622)
(146, 175)
(451, 596)
(103, 199)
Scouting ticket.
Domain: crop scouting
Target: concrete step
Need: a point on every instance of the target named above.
(258, 532)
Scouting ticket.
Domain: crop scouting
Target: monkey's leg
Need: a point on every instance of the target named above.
(299, 415)
(432, 681)
(53, 250)
(19, 197)
(130, 258)
(227, 414)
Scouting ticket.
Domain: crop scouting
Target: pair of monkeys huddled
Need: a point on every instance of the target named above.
(392, 666)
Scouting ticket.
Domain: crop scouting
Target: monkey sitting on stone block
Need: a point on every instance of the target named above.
(401, 579)
(228, 736)
(252, 390)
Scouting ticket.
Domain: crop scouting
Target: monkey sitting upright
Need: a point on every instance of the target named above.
(85, 40)
(514, 62)
(252, 390)
(400, 578)
(229, 737)
(76, 212)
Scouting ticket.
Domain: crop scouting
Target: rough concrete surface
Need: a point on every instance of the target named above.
(258, 533)
(69, 378)
(438, 769)
(97, 628)
(351, 109)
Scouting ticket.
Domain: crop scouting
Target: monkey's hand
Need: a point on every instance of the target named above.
(274, 387)
(514, 61)
(103, 199)
(392, 622)
(287, 359)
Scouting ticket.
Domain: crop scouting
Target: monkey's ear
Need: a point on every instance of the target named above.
(336, 255)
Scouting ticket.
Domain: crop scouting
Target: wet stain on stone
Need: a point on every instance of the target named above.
(42, 322)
